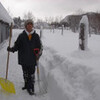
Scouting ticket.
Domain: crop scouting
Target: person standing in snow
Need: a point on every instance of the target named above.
(28, 45)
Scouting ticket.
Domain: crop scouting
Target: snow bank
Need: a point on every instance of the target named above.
(70, 72)
(73, 82)
(67, 80)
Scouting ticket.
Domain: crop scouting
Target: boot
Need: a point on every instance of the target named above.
(30, 88)
(25, 86)
(30, 91)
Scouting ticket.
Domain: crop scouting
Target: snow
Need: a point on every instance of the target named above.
(73, 74)
(65, 19)
(4, 16)
(67, 72)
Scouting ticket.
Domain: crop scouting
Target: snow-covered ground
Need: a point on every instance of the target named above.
(67, 73)
(75, 74)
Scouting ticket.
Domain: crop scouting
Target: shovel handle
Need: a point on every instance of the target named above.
(10, 35)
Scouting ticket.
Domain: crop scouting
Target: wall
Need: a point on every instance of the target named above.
(4, 31)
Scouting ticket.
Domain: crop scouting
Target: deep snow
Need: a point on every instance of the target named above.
(75, 74)
(67, 72)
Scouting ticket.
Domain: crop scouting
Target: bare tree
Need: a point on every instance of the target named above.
(79, 12)
(29, 15)
(49, 19)
(58, 18)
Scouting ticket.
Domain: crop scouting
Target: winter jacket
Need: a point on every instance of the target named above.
(25, 48)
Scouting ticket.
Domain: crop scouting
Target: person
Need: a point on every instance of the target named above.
(26, 44)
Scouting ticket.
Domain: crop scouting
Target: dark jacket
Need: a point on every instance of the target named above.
(25, 48)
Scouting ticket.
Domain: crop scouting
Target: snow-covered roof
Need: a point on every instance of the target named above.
(65, 19)
(4, 16)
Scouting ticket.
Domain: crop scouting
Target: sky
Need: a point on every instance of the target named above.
(49, 8)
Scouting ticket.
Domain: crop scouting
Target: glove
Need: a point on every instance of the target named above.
(9, 49)
(36, 52)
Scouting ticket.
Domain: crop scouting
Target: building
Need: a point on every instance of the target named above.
(5, 22)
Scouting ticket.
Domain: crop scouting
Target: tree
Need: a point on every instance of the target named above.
(17, 22)
(79, 12)
(29, 15)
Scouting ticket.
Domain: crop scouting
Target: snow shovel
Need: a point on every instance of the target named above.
(36, 51)
(41, 89)
(6, 85)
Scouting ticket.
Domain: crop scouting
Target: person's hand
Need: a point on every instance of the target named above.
(9, 49)
(36, 52)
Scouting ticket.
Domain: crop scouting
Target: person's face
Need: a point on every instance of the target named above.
(29, 27)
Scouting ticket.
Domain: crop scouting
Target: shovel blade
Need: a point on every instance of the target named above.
(7, 86)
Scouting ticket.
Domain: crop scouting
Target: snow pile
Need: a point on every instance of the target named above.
(72, 73)
(67, 80)
(70, 81)
(4, 16)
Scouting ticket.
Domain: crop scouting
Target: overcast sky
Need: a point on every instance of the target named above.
(47, 8)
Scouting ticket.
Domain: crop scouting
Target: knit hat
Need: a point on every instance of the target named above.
(28, 21)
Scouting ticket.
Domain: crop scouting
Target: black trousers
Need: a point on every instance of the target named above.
(29, 76)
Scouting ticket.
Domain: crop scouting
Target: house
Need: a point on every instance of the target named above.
(5, 22)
